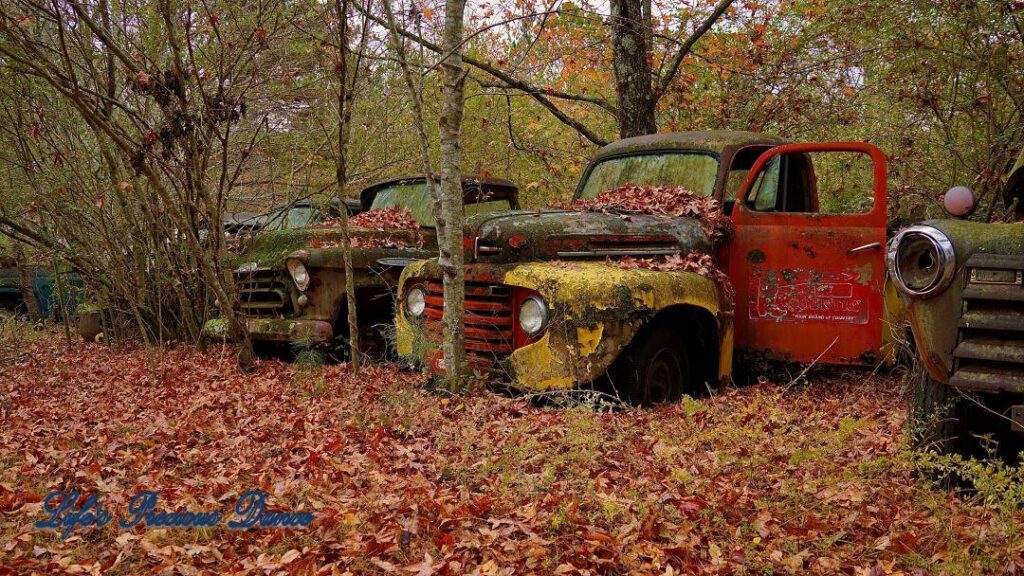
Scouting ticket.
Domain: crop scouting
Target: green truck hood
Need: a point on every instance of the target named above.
(269, 249)
(519, 236)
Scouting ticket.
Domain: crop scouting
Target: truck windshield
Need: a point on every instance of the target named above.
(416, 197)
(691, 170)
(286, 218)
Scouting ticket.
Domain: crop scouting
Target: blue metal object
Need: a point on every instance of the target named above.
(44, 288)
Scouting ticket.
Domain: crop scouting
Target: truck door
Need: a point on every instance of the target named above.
(809, 278)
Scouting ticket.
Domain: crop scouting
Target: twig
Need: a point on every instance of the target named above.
(19, 358)
(809, 366)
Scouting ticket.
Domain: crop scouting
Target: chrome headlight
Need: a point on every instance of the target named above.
(921, 261)
(415, 301)
(533, 315)
(299, 274)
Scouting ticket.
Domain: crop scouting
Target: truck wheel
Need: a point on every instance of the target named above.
(936, 416)
(655, 368)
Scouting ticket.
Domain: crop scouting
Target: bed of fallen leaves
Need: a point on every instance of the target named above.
(666, 201)
(770, 479)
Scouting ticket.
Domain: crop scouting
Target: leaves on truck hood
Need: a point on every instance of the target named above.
(667, 201)
(379, 219)
(396, 218)
(698, 262)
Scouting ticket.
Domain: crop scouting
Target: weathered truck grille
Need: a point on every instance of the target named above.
(989, 355)
(263, 293)
(488, 320)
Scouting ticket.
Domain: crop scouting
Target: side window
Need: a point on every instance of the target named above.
(832, 182)
(845, 183)
(785, 184)
(739, 168)
(764, 195)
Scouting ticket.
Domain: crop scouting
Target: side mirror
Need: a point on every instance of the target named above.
(959, 201)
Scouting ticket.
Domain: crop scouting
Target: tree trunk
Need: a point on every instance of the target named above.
(451, 259)
(25, 283)
(61, 303)
(341, 9)
(631, 61)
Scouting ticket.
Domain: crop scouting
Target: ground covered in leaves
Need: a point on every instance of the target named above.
(769, 479)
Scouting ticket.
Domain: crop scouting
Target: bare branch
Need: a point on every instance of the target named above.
(538, 94)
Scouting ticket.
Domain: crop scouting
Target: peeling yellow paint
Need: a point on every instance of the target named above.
(405, 331)
(602, 303)
(596, 310)
(539, 366)
(726, 343)
(893, 321)
(644, 297)
(403, 336)
(600, 286)
(589, 338)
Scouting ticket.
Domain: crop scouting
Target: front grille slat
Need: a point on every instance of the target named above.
(993, 292)
(992, 349)
(263, 293)
(487, 320)
(993, 320)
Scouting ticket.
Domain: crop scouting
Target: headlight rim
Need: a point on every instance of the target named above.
(544, 322)
(417, 287)
(943, 249)
(294, 265)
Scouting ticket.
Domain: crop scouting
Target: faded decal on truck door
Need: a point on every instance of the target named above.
(797, 295)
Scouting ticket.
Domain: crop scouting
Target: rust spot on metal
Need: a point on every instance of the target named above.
(517, 240)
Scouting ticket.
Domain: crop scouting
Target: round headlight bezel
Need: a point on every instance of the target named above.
(945, 265)
(299, 273)
(421, 303)
(539, 327)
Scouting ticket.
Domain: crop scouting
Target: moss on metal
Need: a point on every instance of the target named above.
(714, 141)
(269, 249)
(215, 328)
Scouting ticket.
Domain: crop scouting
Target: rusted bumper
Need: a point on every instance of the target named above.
(310, 332)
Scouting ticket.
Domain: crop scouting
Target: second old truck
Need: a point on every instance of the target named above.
(568, 298)
(290, 284)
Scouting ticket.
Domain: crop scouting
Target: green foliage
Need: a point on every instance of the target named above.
(991, 481)
(14, 331)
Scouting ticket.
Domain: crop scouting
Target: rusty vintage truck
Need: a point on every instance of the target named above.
(549, 307)
(290, 284)
(963, 283)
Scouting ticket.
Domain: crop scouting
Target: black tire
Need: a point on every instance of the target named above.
(654, 368)
(937, 417)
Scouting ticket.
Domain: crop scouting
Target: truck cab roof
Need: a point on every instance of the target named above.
(719, 142)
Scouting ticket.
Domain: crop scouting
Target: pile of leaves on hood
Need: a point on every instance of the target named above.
(764, 479)
(384, 219)
(703, 264)
(666, 201)
(380, 219)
